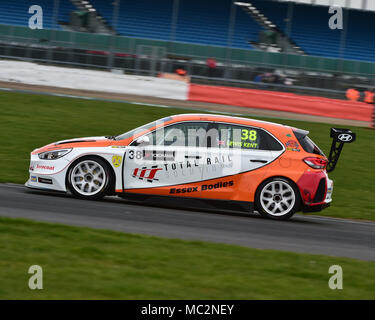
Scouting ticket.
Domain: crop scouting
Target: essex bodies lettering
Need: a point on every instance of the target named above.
(203, 187)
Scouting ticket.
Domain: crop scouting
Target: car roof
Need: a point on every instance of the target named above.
(229, 119)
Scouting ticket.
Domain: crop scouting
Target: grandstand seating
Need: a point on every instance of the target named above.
(202, 22)
(17, 12)
(207, 21)
(311, 32)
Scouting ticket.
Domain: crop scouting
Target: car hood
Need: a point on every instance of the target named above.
(86, 142)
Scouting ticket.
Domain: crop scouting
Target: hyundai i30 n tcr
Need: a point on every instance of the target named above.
(197, 160)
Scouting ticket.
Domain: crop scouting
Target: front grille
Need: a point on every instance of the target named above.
(320, 192)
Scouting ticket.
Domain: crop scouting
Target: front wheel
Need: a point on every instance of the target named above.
(277, 198)
(89, 178)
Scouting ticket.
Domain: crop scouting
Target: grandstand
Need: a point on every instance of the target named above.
(309, 29)
(202, 22)
(208, 22)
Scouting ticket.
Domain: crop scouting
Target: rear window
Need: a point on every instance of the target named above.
(307, 144)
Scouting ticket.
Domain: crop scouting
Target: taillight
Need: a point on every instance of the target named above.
(315, 162)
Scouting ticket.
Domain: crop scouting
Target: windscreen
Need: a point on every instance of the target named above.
(144, 127)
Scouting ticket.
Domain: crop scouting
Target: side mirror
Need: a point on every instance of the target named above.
(143, 141)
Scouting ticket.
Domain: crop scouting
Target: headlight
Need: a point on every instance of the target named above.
(53, 155)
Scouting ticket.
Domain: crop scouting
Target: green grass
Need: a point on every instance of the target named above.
(31, 121)
(83, 263)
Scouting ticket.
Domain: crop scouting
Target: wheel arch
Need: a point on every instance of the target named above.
(283, 177)
(112, 172)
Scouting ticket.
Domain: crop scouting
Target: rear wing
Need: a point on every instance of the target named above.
(339, 138)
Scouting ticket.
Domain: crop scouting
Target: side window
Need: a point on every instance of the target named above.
(225, 139)
(250, 138)
(246, 138)
(184, 134)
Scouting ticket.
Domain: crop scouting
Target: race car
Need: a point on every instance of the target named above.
(199, 161)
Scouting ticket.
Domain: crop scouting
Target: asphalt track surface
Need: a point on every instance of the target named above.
(304, 234)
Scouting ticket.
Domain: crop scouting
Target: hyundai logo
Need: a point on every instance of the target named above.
(345, 137)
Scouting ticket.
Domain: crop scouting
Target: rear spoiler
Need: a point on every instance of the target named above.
(339, 138)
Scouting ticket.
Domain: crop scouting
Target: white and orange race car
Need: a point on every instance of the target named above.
(197, 160)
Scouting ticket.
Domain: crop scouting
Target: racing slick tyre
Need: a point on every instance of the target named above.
(90, 178)
(277, 198)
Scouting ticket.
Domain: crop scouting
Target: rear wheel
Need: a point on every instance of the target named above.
(89, 178)
(277, 198)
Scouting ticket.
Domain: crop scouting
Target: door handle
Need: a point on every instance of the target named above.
(192, 157)
(261, 161)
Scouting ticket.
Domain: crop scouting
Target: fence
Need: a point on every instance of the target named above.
(119, 44)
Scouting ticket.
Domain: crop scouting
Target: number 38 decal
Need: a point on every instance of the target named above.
(136, 155)
(249, 135)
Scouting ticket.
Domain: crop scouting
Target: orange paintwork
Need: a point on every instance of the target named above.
(92, 144)
(289, 164)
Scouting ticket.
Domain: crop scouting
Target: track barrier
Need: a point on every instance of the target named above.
(282, 101)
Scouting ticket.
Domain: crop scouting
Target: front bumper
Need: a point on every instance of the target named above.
(47, 174)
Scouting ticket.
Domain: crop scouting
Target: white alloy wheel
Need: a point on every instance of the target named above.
(88, 178)
(277, 198)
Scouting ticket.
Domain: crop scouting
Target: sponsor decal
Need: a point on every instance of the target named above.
(292, 145)
(118, 147)
(44, 180)
(153, 155)
(289, 135)
(204, 187)
(160, 155)
(291, 149)
(180, 165)
(31, 168)
(218, 185)
(43, 167)
(33, 178)
(116, 161)
(147, 174)
(196, 162)
(183, 190)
